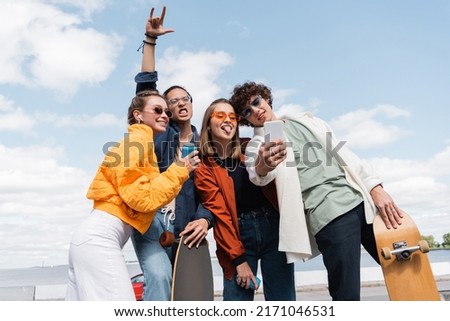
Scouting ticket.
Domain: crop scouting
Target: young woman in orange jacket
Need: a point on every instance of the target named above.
(245, 222)
(127, 190)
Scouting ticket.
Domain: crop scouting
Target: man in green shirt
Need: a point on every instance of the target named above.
(319, 178)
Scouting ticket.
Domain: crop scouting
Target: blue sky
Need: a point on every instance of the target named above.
(377, 71)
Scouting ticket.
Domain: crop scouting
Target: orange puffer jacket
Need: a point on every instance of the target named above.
(128, 183)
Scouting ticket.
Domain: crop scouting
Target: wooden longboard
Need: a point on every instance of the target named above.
(192, 278)
(405, 264)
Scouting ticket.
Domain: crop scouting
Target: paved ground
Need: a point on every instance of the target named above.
(374, 291)
(369, 292)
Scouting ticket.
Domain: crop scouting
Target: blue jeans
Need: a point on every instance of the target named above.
(340, 243)
(259, 231)
(155, 260)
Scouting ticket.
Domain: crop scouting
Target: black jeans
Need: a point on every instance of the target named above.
(340, 243)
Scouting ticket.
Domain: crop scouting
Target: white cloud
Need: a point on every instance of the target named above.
(366, 128)
(418, 187)
(13, 118)
(86, 6)
(280, 95)
(440, 162)
(286, 109)
(279, 98)
(100, 120)
(41, 202)
(48, 48)
(289, 109)
(436, 166)
(199, 72)
(6, 105)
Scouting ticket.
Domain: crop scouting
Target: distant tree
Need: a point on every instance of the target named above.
(431, 242)
(446, 238)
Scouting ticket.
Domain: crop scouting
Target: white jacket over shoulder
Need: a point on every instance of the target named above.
(295, 238)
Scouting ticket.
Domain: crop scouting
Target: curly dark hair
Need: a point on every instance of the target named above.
(240, 98)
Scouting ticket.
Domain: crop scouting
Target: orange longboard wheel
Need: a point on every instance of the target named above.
(423, 246)
(386, 253)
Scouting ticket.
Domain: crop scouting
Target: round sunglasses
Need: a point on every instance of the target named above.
(221, 115)
(256, 102)
(159, 111)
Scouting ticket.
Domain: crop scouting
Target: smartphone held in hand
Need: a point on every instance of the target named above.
(186, 149)
(273, 130)
(252, 285)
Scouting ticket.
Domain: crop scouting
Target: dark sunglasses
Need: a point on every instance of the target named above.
(159, 111)
(221, 115)
(256, 102)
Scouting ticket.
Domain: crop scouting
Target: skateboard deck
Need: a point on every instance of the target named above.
(192, 278)
(404, 262)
